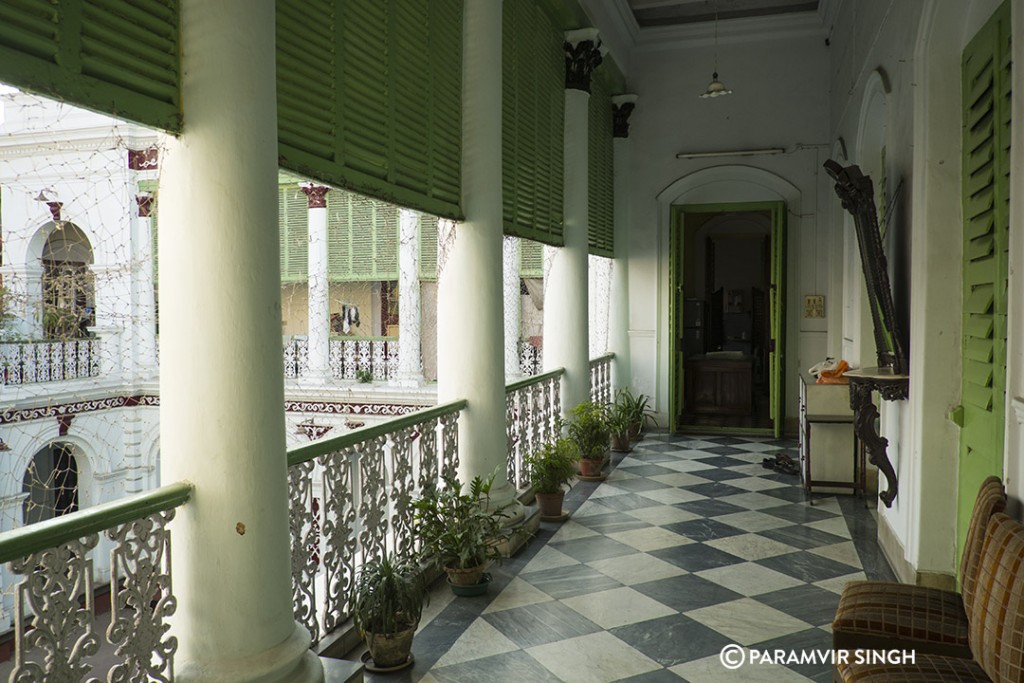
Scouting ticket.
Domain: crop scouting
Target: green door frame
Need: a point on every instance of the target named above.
(777, 306)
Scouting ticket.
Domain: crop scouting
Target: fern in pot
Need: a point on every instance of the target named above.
(620, 420)
(459, 529)
(587, 426)
(638, 408)
(551, 467)
(387, 602)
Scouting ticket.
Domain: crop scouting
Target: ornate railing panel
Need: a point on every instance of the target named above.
(532, 407)
(530, 358)
(56, 626)
(350, 502)
(351, 356)
(296, 357)
(49, 361)
(601, 378)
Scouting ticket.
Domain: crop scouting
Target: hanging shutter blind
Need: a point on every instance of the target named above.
(293, 225)
(362, 238)
(428, 247)
(986, 217)
(601, 233)
(370, 97)
(118, 57)
(531, 259)
(533, 104)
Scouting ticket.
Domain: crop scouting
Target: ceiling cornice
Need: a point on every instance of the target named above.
(617, 25)
(746, 30)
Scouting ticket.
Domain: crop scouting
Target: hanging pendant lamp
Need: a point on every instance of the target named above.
(716, 88)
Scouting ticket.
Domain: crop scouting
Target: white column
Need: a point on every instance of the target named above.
(318, 326)
(143, 297)
(221, 389)
(513, 305)
(24, 285)
(113, 289)
(618, 338)
(566, 304)
(470, 362)
(410, 369)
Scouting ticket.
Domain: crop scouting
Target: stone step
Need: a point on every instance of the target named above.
(342, 670)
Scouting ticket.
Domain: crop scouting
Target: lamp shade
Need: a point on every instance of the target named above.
(716, 88)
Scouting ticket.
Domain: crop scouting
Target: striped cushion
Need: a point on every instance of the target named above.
(877, 614)
(997, 616)
(991, 499)
(925, 669)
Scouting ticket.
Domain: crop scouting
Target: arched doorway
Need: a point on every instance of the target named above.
(51, 482)
(69, 288)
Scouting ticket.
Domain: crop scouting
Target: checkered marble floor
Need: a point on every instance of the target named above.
(688, 546)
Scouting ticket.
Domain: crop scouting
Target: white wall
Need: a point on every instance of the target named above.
(780, 100)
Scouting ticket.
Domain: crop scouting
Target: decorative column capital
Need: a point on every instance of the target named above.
(316, 194)
(145, 202)
(622, 107)
(143, 159)
(55, 208)
(582, 56)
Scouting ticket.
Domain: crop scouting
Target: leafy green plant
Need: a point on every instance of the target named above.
(620, 417)
(588, 427)
(388, 595)
(364, 376)
(552, 465)
(457, 526)
(637, 406)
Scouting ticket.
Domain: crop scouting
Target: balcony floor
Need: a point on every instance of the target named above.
(688, 546)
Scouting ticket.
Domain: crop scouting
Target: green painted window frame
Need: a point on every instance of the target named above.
(601, 179)
(533, 113)
(118, 57)
(370, 98)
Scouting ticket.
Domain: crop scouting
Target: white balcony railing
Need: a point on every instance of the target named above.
(351, 358)
(29, 362)
(532, 407)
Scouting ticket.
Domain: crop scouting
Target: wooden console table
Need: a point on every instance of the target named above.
(891, 387)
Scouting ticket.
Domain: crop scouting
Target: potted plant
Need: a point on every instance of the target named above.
(551, 466)
(387, 601)
(638, 408)
(459, 529)
(620, 421)
(587, 426)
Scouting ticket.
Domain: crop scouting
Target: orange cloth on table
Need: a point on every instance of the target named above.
(834, 376)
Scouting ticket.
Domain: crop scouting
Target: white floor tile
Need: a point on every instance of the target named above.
(596, 658)
(747, 621)
(618, 607)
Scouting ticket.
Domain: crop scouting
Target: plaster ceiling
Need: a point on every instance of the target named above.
(678, 12)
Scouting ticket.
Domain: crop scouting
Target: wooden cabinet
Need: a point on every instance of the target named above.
(719, 386)
(828, 449)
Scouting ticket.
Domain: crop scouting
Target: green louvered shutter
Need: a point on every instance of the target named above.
(986, 88)
(118, 57)
(428, 247)
(362, 238)
(531, 259)
(293, 226)
(533, 105)
(370, 98)
(601, 234)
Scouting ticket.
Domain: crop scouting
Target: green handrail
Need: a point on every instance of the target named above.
(300, 454)
(30, 539)
(535, 379)
(600, 359)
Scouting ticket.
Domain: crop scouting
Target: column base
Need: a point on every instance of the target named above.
(408, 380)
(290, 662)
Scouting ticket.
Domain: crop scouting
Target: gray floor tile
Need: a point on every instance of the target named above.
(696, 557)
(801, 537)
(545, 622)
(714, 489)
(685, 593)
(564, 582)
(595, 548)
(711, 507)
(806, 566)
(511, 666)
(672, 640)
(703, 529)
(610, 522)
(814, 605)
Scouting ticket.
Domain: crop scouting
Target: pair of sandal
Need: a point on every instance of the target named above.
(781, 463)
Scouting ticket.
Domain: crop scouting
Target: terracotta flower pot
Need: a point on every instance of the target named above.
(469, 576)
(590, 468)
(390, 649)
(550, 504)
(620, 442)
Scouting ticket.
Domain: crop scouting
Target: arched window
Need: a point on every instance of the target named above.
(51, 482)
(69, 289)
